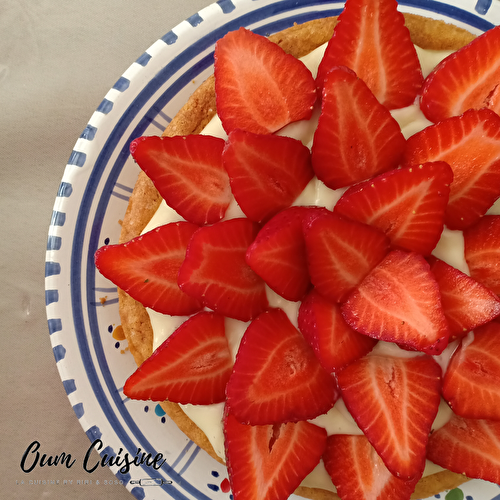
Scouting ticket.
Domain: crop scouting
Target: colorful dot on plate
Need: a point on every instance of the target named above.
(213, 487)
(225, 486)
(110, 328)
(119, 333)
(159, 411)
(455, 494)
(215, 473)
(117, 345)
(106, 241)
(146, 409)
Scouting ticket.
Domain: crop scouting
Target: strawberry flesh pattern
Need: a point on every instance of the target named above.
(399, 302)
(470, 144)
(372, 40)
(147, 268)
(247, 66)
(359, 473)
(283, 376)
(467, 304)
(407, 204)
(340, 253)
(355, 132)
(394, 401)
(278, 254)
(276, 377)
(192, 366)
(267, 172)
(470, 384)
(468, 445)
(335, 343)
(482, 251)
(467, 79)
(214, 270)
(188, 173)
(257, 456)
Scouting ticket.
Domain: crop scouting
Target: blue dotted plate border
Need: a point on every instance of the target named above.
(82, 307)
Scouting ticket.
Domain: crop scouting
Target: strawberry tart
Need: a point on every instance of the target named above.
(309, 266)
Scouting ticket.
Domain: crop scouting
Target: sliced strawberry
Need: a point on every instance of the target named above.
(407, 204)
(394, 400)
(468, 446)
(334, 342)
(147, 266)
(268, 462)
(371, 39)
(192, 366)
(470, 384)
(267, 172)
(493, 101)
(482, 251)
(188, 173)
(276, 377)
(466, 303)
(359, 473)
(312, 213)
(470, 144)
(278, 254)
(356, 137)
(341, 252)
(399, 302)
(258, 86)
(215, 272)
(464, 80)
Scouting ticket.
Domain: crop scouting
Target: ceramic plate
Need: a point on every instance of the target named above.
(82, 307)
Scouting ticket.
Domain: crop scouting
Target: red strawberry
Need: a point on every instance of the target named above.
(482, 251)
(267, 172)
(188, 173)
(470, 144)
(399, 302)
(147, 266)
(258, 86)
(494, 100)
(341, 252)
(407, 204)
(268, 462)
(359, 473)
(466, 303)
(192, 366)
(334, 342)
(394, 400)
(463, 80)
(356, 137)
(278, 254)
(276, 377)
(470, 384)
(372, 40)
(468, 446)
(215, 272)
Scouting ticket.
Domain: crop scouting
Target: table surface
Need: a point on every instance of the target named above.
(57, 61)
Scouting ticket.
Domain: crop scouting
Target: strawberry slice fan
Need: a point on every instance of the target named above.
(367, 306)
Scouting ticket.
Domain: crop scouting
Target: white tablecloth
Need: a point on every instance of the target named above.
(57, 61)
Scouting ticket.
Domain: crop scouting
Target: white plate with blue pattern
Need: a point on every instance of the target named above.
(82, 307)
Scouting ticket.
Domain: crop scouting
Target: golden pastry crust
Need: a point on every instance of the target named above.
(191, 119)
